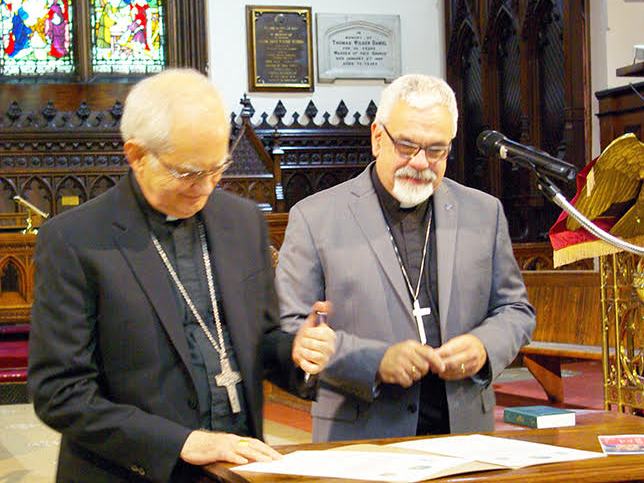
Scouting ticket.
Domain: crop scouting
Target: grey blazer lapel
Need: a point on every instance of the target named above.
(366, 209)
(132, 236)
(446, 216)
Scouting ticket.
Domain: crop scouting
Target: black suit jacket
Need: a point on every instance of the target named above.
(109, 362)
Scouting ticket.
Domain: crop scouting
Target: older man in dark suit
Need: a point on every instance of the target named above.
(155, 316)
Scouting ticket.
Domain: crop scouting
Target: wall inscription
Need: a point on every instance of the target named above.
(280, 52)
(358, 47)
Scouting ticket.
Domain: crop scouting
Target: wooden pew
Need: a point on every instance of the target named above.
(568, 324)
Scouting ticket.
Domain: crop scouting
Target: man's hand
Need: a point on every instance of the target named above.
(464, 355)
(407, 362)
(314, 344)
(203, 447)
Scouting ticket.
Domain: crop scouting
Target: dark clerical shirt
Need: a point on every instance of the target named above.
(180, 240)
(408, 228)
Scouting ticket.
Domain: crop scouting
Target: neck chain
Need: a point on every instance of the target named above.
(417, 311)
(227, 378)
(219, 345)
(412, 292)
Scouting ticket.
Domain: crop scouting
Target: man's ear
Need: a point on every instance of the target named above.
(376, 136)
(134, 153)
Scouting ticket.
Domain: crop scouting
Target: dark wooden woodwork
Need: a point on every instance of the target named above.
(16, 277)
(567, 303)
(276, 228)
(312, 156)
(47, 154)
(621, 110)
(583, 436)
(188, 34)
(520, 67)
(254, 174)
(547, 371)
(634, 70)
(578, 293)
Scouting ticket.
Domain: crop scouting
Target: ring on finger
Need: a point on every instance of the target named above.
(243, 442)
(462, 368)
(413, 371)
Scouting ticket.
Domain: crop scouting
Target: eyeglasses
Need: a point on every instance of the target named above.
(191, 176)
(407, 150)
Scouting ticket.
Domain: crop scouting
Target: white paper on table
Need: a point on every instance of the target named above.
(512, 453)
(375, 466)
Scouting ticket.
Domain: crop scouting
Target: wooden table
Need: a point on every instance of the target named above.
(583, 436)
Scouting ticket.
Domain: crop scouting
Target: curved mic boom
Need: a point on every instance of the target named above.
(494, 143)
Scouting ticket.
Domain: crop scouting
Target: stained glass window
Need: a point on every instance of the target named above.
(128, 36)
(36, 37)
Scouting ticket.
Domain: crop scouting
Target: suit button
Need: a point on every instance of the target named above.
(192, 403)
(412, 407)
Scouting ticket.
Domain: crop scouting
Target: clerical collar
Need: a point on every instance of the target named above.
(148, 210)
(391, 204)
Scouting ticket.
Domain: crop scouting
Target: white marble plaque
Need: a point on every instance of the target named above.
(358, 46)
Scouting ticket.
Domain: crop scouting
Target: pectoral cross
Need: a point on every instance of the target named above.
(420, 312)
(229, 379)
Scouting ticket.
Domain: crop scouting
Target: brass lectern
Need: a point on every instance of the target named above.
(611, 194)
(622, 299)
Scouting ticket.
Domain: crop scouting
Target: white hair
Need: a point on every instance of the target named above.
(153, 104)
(419, 91)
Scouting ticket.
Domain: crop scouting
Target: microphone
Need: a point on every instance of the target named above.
(21, 201)
(493, 142)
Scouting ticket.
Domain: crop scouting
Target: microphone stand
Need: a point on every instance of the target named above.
(29, 229)
(554, 194)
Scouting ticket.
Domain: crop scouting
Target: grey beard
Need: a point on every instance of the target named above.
(410, 195)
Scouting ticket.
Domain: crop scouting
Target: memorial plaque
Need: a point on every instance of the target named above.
(279, 41)
(358, 46)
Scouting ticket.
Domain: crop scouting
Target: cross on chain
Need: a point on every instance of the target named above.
(420, 312)
(229, 379)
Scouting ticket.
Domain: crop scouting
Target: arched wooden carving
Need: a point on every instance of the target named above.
(519, 67)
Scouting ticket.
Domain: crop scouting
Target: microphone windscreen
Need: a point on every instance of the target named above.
(487, 142)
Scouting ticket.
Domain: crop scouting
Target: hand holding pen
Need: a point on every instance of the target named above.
(320, 319)
(314, 342)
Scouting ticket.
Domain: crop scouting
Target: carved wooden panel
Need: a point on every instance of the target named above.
(58, 159)
(51, 157)
(534, 257)
(276, 228)
(16, 277)
(520, 67)
(314, 156)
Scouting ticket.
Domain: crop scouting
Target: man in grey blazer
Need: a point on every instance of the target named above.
(427, 300)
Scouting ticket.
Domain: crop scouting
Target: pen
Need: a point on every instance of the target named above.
(320, 319)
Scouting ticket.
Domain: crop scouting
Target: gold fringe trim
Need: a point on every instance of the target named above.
(591, 249)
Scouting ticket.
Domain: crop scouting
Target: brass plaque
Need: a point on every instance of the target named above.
(279, 44)
(70, 201)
